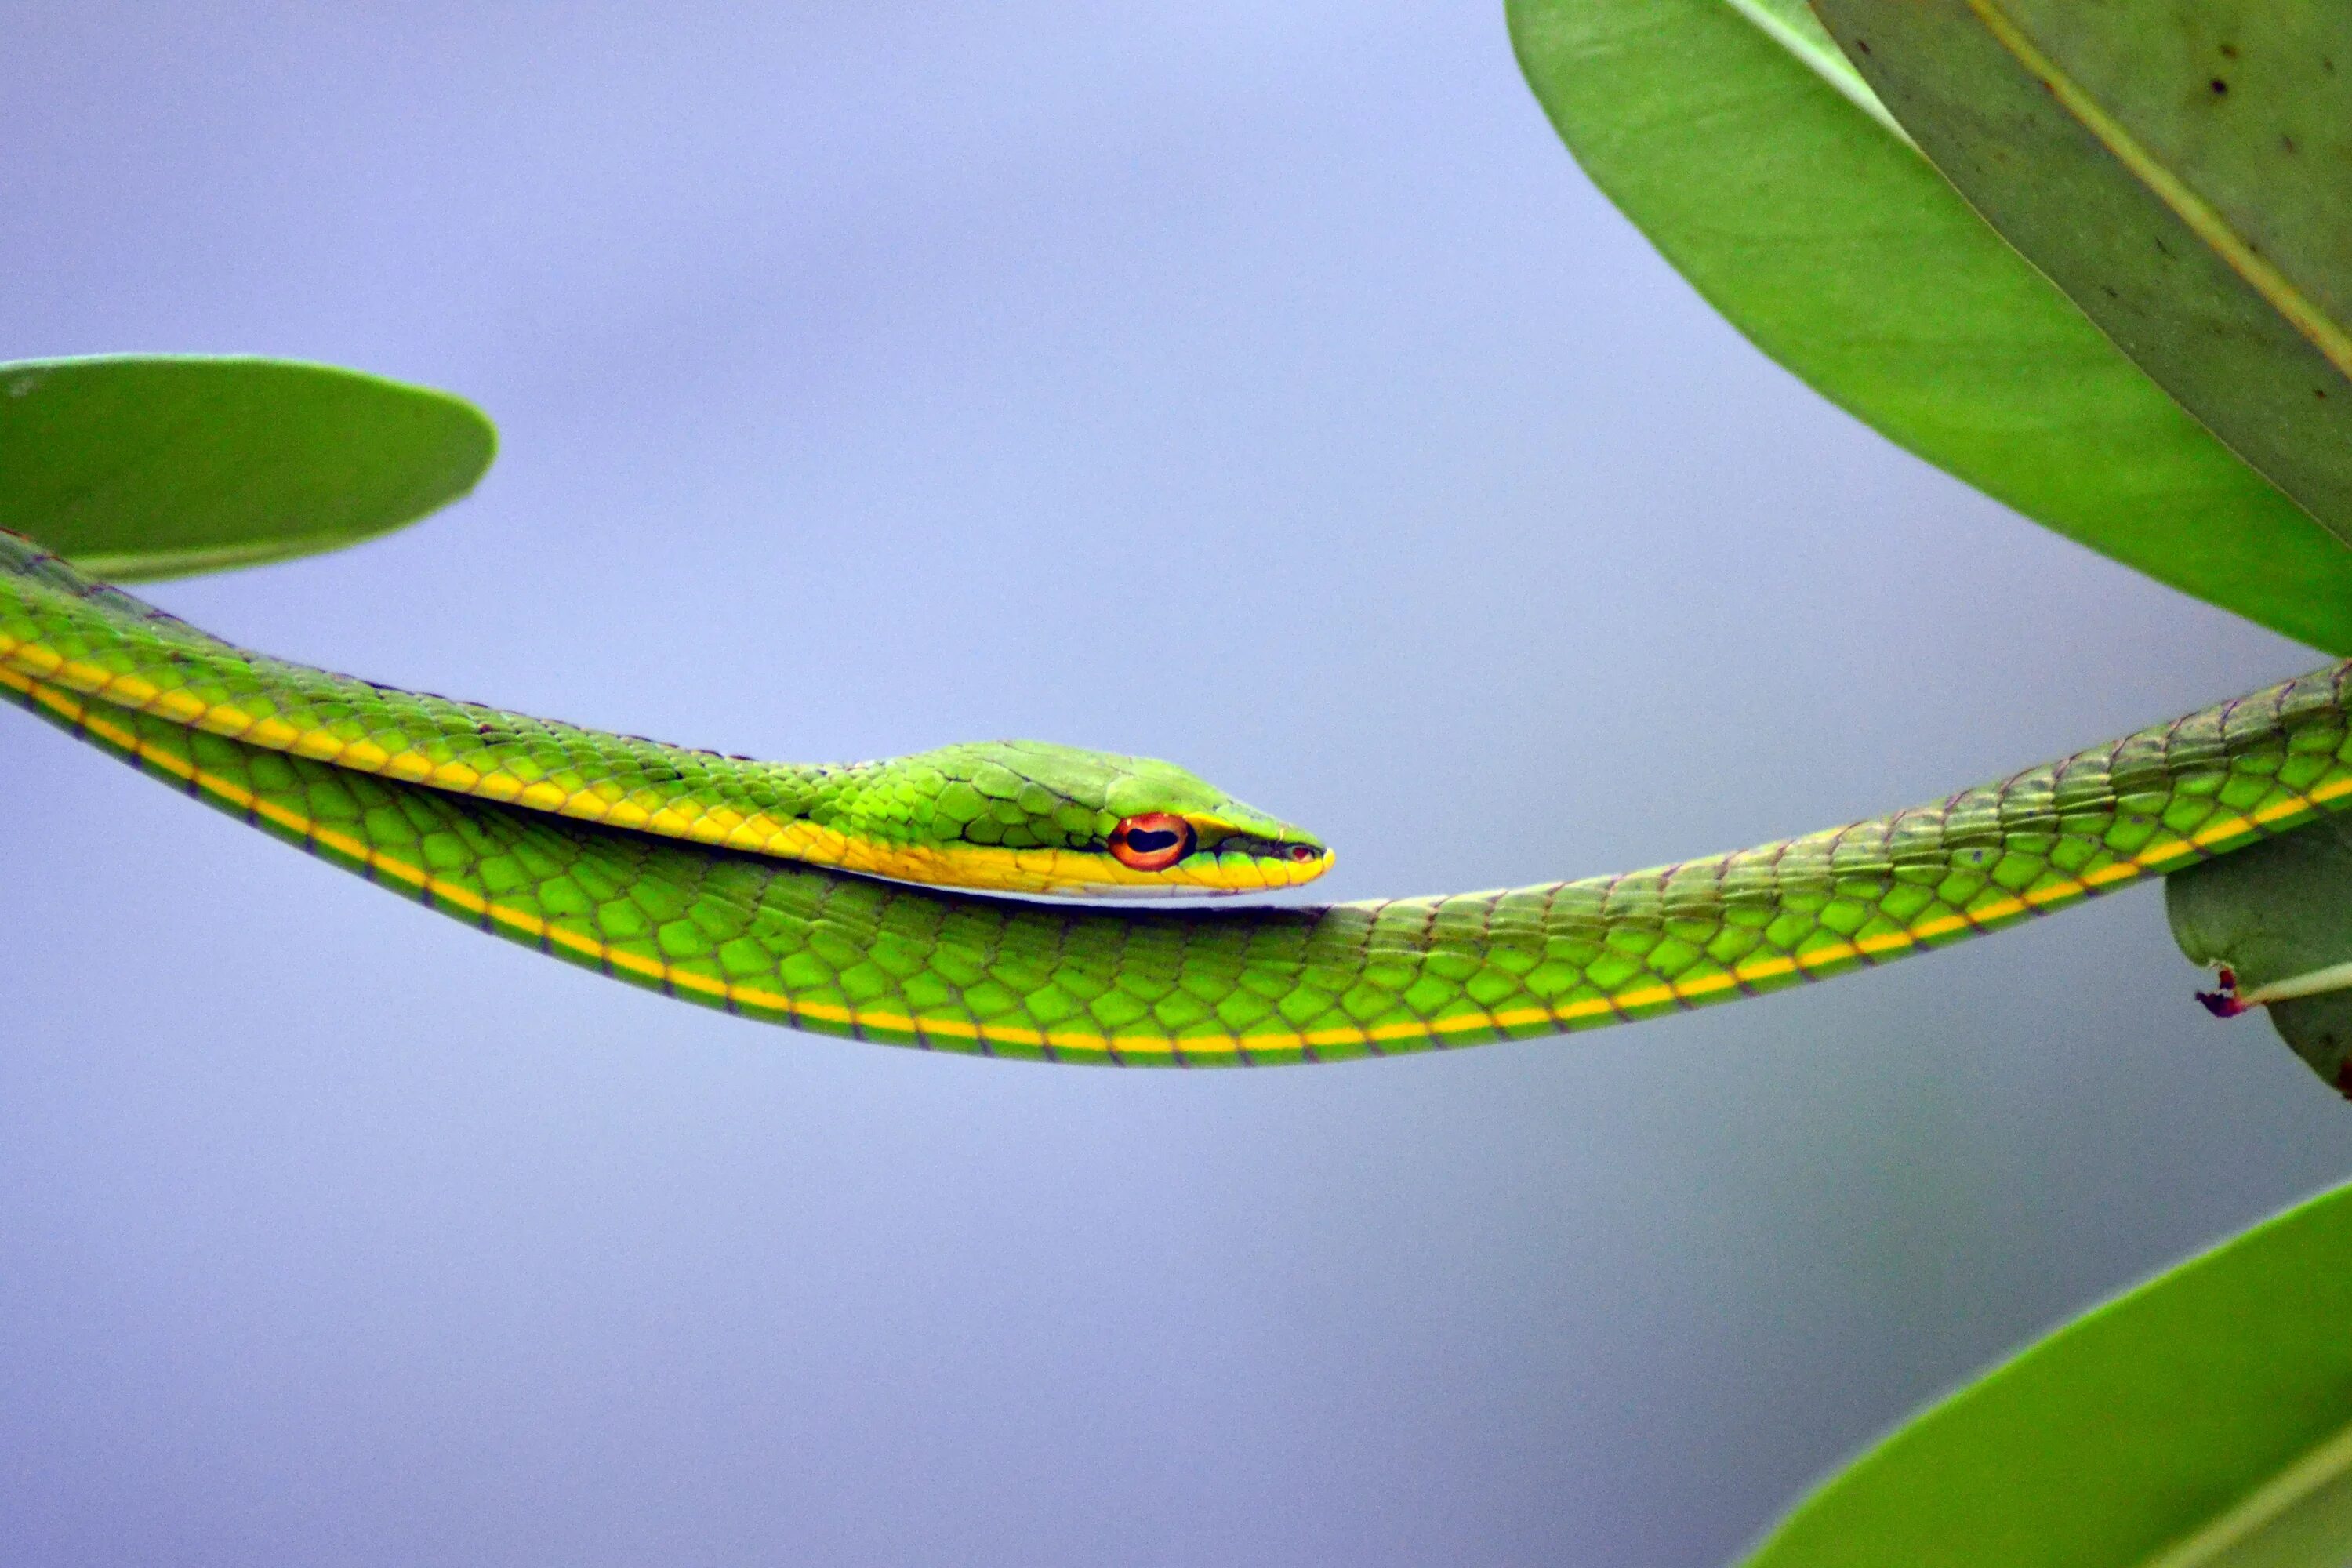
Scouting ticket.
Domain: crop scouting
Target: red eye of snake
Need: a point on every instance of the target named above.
(1152, 842)
(1303, 853)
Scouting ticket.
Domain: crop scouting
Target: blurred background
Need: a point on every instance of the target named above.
(1263, 389)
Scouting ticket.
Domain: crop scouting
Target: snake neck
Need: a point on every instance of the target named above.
(73, 634)
(1004, 817)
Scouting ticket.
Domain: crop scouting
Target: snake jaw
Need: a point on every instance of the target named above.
(1236, 858)
(1240, 864)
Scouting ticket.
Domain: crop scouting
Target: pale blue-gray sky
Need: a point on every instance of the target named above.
(1264, 390)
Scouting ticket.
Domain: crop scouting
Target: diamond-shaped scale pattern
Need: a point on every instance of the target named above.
(1010, 815)
(823, 949)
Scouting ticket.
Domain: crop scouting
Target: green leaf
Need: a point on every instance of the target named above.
(1757, 167)
(139, 466)
(2275, 914)
(2179, 167)
(2204, 1419)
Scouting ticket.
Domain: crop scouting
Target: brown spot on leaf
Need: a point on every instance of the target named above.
(2220, 87)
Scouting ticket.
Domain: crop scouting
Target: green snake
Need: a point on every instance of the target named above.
(868, 898)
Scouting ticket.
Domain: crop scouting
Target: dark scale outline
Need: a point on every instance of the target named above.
(171, 654)
(2154, 759)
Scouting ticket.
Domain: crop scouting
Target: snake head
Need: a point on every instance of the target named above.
(1028, 817)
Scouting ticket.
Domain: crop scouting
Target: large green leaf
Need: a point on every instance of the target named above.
(2183, 169)
(1750, 156)
(152, 467)
(2204, 1419)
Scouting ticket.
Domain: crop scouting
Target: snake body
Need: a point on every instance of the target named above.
(1014, 816)
(702, 914)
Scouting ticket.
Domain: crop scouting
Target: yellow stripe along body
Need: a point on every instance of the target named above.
(822, 950)
(1013, 816)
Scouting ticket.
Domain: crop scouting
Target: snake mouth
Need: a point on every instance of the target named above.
(1216, 862)
(1231, 862)
(1205, 874)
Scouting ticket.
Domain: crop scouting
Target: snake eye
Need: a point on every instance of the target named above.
(1303, 853)
(1152, 842)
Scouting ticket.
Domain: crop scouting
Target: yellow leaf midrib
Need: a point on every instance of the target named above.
(2237, 1534)
(2309, 319)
